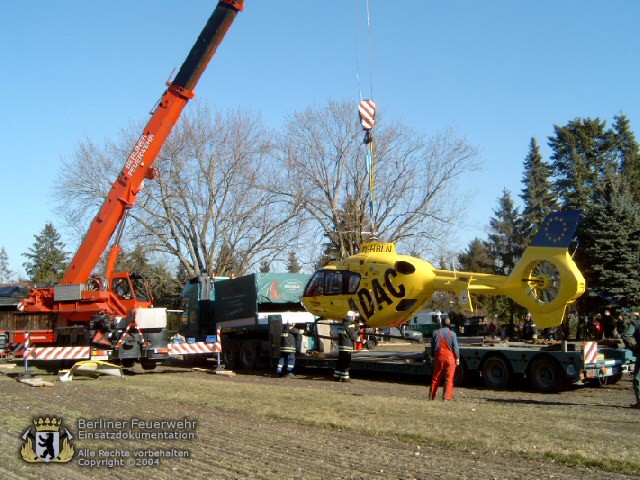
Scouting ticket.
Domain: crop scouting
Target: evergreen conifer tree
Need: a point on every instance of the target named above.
(538, 198)
(265, 266)
(505, 238)
(609, 252)
(629, 154)
(292, 265)
(505, 246)
(477, 258)
(6, 275)
(47, 260)
(583, 151)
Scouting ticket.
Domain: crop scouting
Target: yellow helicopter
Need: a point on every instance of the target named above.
(387, 289)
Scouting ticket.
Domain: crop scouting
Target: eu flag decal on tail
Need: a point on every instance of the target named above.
(558, 230)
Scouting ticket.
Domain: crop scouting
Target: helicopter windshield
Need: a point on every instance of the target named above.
(332, 282)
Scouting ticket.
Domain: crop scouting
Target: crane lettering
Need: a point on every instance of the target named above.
(138, 154)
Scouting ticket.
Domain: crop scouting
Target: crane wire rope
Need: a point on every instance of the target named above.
(367, 110)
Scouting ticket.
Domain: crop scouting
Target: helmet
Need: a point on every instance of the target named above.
(350, 315)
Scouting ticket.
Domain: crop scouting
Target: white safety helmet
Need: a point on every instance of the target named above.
(351, 315)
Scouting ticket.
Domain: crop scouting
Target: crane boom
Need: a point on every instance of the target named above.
(79, 297)
(139, 163)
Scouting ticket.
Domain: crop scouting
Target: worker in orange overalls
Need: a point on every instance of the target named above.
(444, 349)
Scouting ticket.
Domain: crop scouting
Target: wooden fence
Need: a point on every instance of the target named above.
(12, 320)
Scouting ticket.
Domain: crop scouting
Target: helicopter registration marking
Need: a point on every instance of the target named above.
(378, 248)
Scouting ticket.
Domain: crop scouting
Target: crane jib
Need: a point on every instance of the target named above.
(139, 162)
(205, 48)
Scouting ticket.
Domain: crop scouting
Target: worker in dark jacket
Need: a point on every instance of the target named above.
(444, 348)
(528, 329)
(631, 338)
(347, 335)
(288, 339)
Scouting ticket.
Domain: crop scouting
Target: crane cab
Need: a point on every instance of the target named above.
(132, 289)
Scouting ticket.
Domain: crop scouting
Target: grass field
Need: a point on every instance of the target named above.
(506, 434)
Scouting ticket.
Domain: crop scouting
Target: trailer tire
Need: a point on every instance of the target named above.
(615, 379)
(230, 355)
(496, 372)
(462, 374)
(248, 355)
(546, 375)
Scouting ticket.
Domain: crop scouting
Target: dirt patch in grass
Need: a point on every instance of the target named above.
(256, 426)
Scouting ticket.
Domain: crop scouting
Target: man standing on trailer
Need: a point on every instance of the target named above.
(529, 329)
(347, 336)
(444, 349)
(631, 338)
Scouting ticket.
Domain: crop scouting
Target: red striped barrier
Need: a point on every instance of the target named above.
(58, 353)
(193, 348)
(590, 352)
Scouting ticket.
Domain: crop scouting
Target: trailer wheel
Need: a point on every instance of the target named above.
(462, 374)
(248, 355)
(615, 379)
(546, 375)
(496, 372)
(230, 355)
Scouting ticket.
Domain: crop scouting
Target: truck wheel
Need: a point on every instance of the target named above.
(496, 372)
(372, 343)
(546, 375)
(230, 355)
(248, 355)
(127, 362)
(148, 364)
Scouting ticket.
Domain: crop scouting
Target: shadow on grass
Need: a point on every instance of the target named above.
(550, 403)
(163, 371)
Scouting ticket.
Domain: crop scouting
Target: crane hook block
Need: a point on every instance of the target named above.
(367, 114)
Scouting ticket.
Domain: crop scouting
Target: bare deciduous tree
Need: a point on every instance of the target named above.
(324, 163)
(208, 208)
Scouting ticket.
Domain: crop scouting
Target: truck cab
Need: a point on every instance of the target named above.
(426, 322)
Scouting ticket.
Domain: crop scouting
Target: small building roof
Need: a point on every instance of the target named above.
(10, 295)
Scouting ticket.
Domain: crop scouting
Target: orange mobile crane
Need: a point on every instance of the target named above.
(114, 317)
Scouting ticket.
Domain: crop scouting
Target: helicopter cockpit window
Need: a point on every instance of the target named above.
(333, 283)
(315, 286)
(354, 282)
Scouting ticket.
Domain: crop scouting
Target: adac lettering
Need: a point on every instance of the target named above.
(400, 292)
(381, 294)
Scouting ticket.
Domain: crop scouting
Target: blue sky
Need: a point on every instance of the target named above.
(500, 72)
